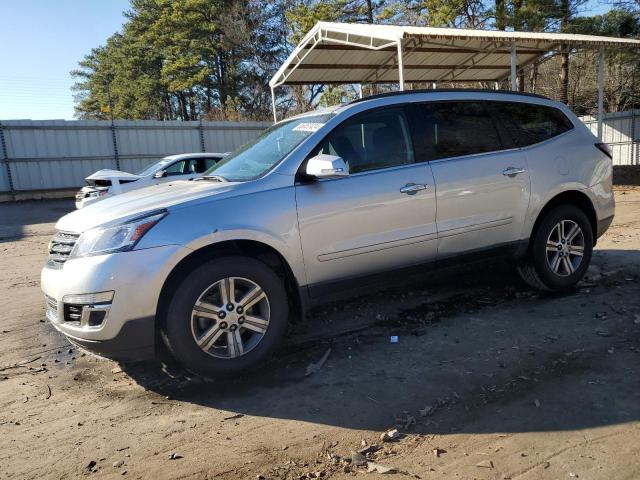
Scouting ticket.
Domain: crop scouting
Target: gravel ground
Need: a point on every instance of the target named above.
(488, 379)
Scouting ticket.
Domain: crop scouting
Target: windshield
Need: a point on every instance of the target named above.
(257, 157)
(152, 168)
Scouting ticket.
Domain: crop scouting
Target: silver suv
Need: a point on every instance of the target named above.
(214, 269)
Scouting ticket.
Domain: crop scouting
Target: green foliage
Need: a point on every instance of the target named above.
(184, 59)
(190, 59)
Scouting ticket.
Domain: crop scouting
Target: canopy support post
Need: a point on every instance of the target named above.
(359, 90)
(600, 92)
(273, 105)
(400, 65)
(514, 60)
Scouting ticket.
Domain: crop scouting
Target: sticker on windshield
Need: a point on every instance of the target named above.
(308, 127)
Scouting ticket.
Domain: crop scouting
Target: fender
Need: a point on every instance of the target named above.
(292, 256)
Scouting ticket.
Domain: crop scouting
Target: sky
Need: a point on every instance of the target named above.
(41, 41)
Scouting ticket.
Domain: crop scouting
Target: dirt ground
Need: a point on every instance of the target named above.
(488, 380)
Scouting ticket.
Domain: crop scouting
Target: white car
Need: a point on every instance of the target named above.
(106, 183)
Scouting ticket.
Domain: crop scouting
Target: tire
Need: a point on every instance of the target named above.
(218, 339)
(557, 265)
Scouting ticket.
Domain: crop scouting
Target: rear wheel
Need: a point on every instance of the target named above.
(561, 250)
(226, 317)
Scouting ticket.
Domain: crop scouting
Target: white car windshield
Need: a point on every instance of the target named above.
(152, 168)
(257, 157)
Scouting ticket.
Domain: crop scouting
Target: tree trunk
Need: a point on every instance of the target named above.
(521, 80)
(564, 76)
(192, 106)
(369, 12)
(534, 77)
(565, 15)
(183, 106)
(501, 15)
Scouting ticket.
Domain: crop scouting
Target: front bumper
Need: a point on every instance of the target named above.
(603, 225)
(134, 341)
(135, 277)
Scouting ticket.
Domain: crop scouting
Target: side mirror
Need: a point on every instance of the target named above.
(327, 166)
(160, 174)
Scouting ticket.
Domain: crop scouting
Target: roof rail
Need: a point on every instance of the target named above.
(445, 90)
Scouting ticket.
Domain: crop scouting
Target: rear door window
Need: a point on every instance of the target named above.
(528, 124)
(199, 165)
(454, 129)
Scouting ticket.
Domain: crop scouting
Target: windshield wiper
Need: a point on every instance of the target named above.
(215, 178)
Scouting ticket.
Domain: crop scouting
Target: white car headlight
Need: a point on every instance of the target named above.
(119, 238)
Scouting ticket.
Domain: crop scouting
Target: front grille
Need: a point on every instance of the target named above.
(52, 308)
(60, 248)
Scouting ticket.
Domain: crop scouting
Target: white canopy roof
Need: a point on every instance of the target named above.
(341, 53)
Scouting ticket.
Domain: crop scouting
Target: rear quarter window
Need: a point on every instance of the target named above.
(528, 124)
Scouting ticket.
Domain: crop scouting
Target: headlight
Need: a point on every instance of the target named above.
(119, 238)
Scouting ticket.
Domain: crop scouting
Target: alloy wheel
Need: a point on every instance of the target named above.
(565, 248)
(230, 317)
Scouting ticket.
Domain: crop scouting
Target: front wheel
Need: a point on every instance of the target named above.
(226, 317)
(560, 251)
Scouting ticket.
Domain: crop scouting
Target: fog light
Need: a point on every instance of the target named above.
(96, 317)
(88, 309)
(89, 298)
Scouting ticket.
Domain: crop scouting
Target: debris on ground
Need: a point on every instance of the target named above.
(427, 411)
(536, 402)
(315, 367)
(175, 456)
(390, 435)
(234, 417)
(405, 422)
(118, 464)
(377, 468)
(485, 464)
(91, 465)
(369, 449)
(358, 459)
(394, 338)
(438, 451)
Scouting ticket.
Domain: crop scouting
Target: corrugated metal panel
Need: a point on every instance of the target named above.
(4, 179)
(54, 154)
(617, 132)
(156, 138)
(227, 136)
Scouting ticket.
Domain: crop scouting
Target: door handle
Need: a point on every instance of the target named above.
(512, 171)
(413, 188)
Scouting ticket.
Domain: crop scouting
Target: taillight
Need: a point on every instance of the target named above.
(605, 148)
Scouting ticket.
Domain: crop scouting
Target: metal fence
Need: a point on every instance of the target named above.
(50, 155)
(54, 155)
(621, 130)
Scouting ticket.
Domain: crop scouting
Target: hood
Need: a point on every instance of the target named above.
(99, 178)
(128, 205)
